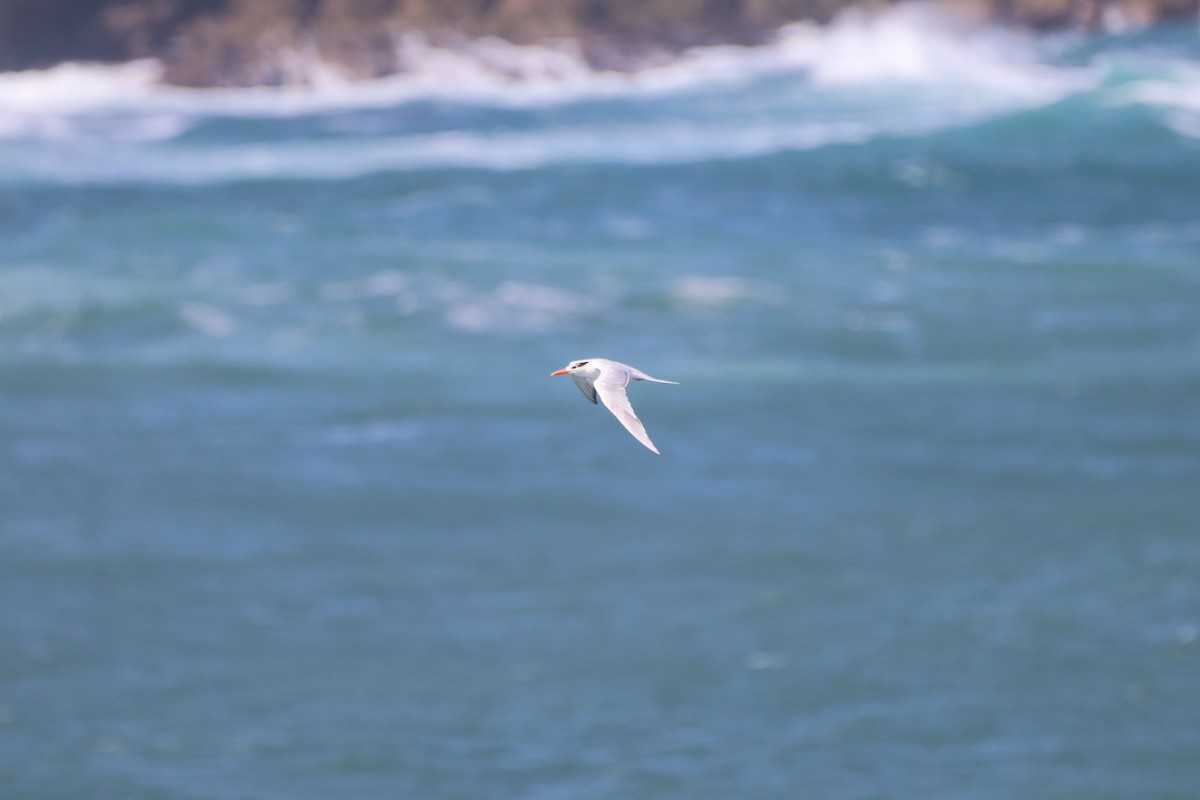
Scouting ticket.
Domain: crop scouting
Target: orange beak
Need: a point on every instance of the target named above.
(558, 372)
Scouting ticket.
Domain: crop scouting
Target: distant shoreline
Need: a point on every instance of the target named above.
(238, 43)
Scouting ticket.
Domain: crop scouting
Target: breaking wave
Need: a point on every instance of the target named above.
(907, 71)
(906, 44)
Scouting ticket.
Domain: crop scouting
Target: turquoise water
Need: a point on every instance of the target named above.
(292, 508)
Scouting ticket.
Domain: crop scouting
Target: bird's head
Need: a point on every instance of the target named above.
(584, 365)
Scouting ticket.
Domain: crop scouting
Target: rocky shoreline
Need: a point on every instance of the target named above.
(207, 43)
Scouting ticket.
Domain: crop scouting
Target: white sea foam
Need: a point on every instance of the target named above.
(708, 292)
(77, 87)
(515, 306)
(633, 143)
(908, 43)
(207, 319)
(1172, 87)
(901, 72)
(74, 100)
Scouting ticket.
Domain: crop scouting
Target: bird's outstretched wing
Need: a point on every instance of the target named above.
(611, 389)
(585, 385)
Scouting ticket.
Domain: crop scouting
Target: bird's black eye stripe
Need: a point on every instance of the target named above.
(580, 363)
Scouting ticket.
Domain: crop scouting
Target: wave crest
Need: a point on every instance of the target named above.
(494, 105)
(906, 43)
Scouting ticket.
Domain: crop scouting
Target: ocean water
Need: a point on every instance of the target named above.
(290, 506)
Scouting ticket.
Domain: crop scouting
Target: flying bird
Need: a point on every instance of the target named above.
(606, 380)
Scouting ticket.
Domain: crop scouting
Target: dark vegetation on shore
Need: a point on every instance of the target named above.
(253, 42)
